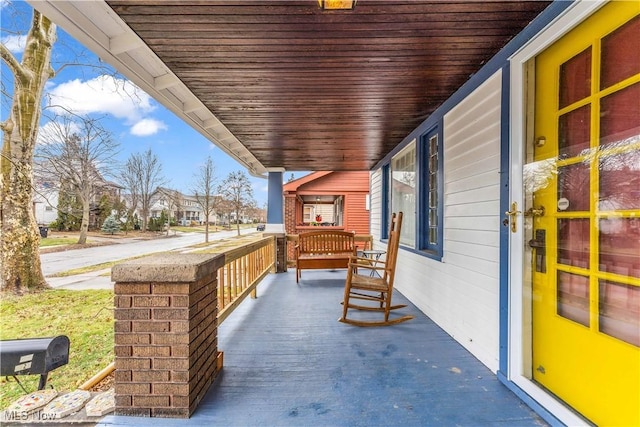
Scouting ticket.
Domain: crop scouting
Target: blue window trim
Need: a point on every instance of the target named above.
(422, 246)
(386, 201)
(426, 248)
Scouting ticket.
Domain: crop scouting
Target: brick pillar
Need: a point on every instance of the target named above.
(281, 254)
(165, 333)
(290, 222)
(280, 261)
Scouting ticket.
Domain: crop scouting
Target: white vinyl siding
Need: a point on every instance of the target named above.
(376, 203)
(461, 294)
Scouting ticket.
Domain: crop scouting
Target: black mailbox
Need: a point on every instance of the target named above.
(33, 356)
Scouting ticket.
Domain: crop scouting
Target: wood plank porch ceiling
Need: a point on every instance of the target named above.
(306, 89)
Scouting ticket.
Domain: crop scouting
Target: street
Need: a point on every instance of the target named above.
(57, 262)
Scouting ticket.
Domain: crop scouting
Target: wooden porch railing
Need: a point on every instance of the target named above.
(244, 268)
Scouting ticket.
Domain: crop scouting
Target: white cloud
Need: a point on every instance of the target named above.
(15, 44)
(103, 94)
(107, 95)
(146, 127)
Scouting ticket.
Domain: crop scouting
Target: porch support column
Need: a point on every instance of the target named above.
(275, 218)
(166, 333)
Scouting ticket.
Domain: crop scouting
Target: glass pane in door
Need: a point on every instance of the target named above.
(573, 242)
(573, 186)
(575, 78)
(620, 311)
(574, 132)
(619, 240)
(620, 181)
(573, 297)
(620, 54)
(620, 116)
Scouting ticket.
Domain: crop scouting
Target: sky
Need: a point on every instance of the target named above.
(134, 119)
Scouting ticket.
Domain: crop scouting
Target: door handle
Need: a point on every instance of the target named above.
(535, 212)
(540, 245)
(513, 216)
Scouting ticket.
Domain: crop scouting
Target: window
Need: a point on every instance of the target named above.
(431, 193)
(403, 191)
(413, 183)
(307, 214)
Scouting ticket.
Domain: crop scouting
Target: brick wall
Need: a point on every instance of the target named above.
(290, 221)
(165, 333)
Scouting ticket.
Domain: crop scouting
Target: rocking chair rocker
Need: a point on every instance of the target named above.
(376, 288)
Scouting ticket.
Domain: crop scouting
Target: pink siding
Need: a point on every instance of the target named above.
(356, 216)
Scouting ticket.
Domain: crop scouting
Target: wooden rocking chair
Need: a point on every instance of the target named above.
(363, 284)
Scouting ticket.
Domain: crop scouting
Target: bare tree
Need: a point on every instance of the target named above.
(74, 153)
(20, 260)
(174, 201)
(204, 187)
(236, 189)
(142, 176)
(224, 209)
(252, 210)
(129, 181)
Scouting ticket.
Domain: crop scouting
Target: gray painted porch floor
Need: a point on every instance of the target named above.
(289, 362)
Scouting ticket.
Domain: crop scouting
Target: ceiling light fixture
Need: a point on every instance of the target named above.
(337, 4)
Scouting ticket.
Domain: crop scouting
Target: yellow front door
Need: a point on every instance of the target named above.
(585, 194)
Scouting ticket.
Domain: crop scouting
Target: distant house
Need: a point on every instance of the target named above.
(328, 199)
(47, 196)
(184, 209)
(45, 202)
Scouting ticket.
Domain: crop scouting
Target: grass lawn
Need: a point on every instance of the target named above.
(56, 241)
(212, 228)
(86, 317)
(189, 229)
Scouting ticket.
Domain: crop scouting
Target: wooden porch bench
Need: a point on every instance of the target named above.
(324, 249)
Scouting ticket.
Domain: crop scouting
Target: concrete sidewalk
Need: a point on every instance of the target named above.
(92, 280)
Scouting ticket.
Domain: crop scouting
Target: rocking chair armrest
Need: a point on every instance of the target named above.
(353, 259)
(366, 260)
(367, 263)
